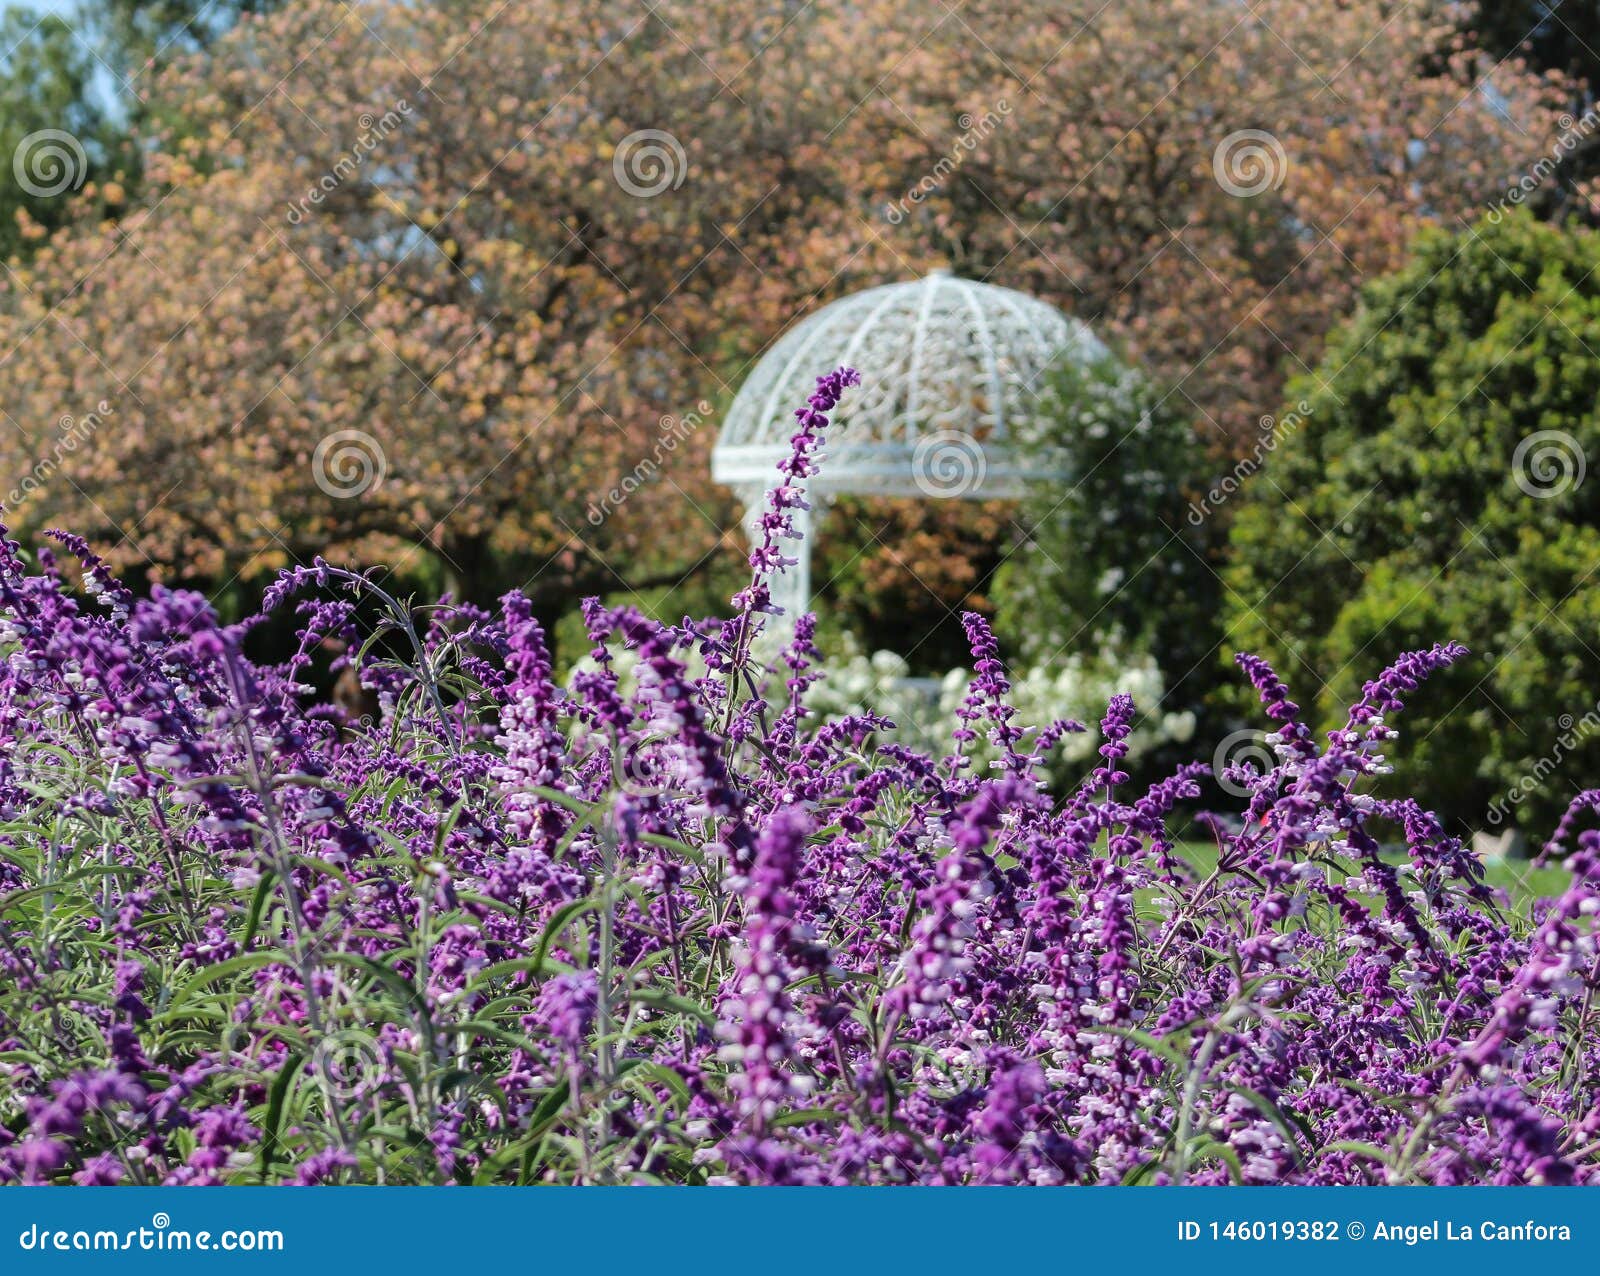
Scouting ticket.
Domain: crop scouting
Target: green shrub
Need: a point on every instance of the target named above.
(1437, 489)
(1112, 561)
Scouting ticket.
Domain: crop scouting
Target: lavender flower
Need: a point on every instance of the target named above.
(246, 938)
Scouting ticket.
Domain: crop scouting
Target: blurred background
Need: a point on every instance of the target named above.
(468, 289)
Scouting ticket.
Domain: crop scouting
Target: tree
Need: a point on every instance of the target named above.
(1211, 182)
(898, 573)
(1113, 563)
(1553, 35)
(1560, 38)
(1438, 488)
(363, 311)
(57, 140)
(458, 261)
(139, 37)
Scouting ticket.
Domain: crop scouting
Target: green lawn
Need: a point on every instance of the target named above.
(1516, 877)
(1522, 882)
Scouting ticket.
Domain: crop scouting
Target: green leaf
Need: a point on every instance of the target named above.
(644, 1071)
(1205, 1148)
(544, 1116)
(273, 1120)
(558, 922)
(806, 1116)
(258, 904)
(663, 1000)
(232, 966)
(1355, 1147)
(391, 979)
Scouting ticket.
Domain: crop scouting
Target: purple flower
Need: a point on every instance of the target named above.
(666, 923)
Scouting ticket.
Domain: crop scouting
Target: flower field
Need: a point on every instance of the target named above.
(673, 928)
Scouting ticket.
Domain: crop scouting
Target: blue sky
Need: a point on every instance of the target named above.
(103, 85)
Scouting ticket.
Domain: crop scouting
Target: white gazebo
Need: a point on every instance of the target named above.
(950, 374)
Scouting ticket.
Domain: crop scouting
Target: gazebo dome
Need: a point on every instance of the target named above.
(950, 373)
(949, 368)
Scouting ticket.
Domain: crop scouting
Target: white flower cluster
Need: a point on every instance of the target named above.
(924, 709)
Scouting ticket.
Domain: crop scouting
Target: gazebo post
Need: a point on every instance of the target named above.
(790, 587)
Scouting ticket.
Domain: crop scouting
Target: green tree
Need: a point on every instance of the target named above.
(1112, 560)
(57, 136)
(1439, 489)
(138, 36)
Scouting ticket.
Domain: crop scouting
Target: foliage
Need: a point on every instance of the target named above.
(46, 98)
(1113, 562)
(1208, 262)
(1438, 485)
(1554, 35)
(141, 36)
(1561, 40)
(683, 933)
(415, 243)
(925, 711)
(897, 572)
(445, 283)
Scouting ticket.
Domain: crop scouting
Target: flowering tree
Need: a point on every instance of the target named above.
(1211, 182)
(440, 287)
(433, 275)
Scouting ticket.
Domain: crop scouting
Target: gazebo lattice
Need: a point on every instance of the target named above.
(950, 369)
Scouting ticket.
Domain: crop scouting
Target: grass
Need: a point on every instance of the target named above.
(1518, 878)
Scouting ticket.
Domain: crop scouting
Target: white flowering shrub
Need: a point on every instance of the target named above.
(924, 710)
